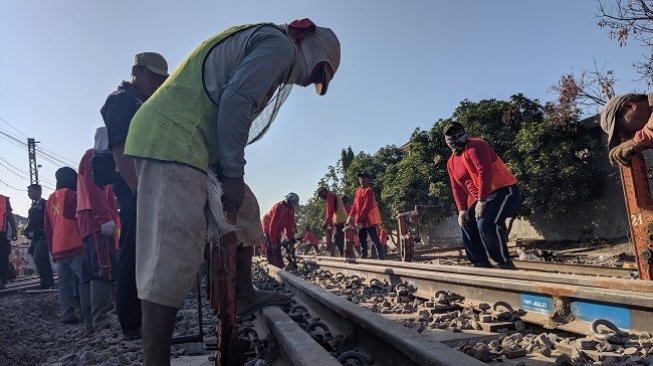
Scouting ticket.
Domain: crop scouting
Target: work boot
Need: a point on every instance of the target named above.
(101, 304)
(85, 306)
(507, 265)
(482, 265)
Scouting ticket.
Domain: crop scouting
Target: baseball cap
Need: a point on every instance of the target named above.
(451, 127)
(153, 61)
(610, 112)
(364, 175)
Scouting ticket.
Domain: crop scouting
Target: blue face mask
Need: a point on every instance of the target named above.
(456, 142)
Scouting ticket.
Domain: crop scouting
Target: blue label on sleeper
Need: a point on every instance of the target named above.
(536, 303)
(590, 311)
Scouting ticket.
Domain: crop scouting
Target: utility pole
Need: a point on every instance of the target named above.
(33, 168)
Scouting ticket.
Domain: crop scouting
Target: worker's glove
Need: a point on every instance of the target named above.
(462, 218)
(108, 228)
(480, 207)
(624, 153)
(233, 190)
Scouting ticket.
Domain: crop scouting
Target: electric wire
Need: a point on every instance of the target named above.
(12, 126)
(24, 172)
(13, 172)
(12, 187)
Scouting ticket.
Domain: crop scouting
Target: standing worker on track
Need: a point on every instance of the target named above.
(366, 216)
(224, 95)
(65, 243)
(334, 220)
(97, 218)
(35, 232)
(7, 222)
(149, 71)
(486, 193)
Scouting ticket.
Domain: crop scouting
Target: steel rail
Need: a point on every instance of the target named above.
(631, 309)
(575, 269)
(388, 342)
(296, 345)
(568, 279)
(23, 284)
(583, 269)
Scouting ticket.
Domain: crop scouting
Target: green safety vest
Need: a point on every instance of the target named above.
(177, 123)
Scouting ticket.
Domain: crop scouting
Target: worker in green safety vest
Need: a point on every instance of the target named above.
(223, 96)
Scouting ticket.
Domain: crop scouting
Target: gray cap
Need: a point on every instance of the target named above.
(609, 116)
(153, 61)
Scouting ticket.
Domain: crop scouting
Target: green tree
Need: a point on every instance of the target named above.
(543, 146)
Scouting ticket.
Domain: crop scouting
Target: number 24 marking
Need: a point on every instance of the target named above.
(636, 220)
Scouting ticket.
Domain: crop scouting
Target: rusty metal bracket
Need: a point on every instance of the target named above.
(639, 206)
(230, 349)
(408, 233)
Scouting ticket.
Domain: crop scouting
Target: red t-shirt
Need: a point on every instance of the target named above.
(481, 156)
(95, 205)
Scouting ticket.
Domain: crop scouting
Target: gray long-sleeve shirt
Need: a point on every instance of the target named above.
(240, 75)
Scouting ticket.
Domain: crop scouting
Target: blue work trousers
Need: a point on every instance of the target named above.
(488, 235)
(69, 272)
(41, 258)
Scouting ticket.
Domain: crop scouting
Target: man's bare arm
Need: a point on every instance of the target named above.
(125, 165)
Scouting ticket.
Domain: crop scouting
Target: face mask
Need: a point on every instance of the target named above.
(456, 142)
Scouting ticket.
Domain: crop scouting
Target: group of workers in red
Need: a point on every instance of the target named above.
(346, 226)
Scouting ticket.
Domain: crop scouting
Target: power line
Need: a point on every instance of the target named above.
(13, 138)
(12, 187)
(13, 172)
(13, 166)
(23, 172)
(55, 158)
(10, 125)
(13, 142)
(63, 158)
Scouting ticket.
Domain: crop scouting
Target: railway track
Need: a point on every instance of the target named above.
(545, 296)
(432, 254)
(23, 284)
(373, 338)
(324, 329)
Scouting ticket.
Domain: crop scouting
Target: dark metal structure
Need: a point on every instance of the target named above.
(33, 168)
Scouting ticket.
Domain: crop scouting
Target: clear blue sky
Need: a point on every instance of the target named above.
(405, 64)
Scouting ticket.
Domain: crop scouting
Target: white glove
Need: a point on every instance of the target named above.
(462, 217)
(480, 207)
(108, 228)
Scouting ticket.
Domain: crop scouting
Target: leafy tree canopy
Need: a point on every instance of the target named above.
(544, 146)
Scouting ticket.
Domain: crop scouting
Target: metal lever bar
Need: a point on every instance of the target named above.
(639, 206)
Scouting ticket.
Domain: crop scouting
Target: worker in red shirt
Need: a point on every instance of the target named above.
(99, 226)
(66, 245)
(309, 238)
(486, 193)
(334, 220)
(365, 215)
(351, 233)
(383, 237)
(280, 220)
